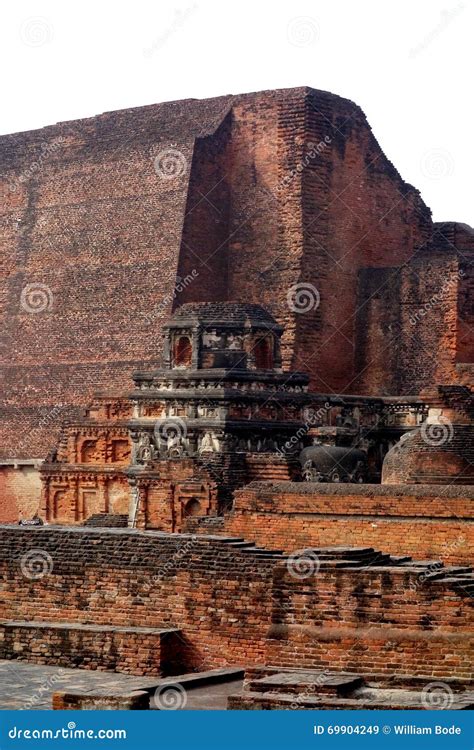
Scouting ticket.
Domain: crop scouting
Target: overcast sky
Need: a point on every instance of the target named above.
(408, 64)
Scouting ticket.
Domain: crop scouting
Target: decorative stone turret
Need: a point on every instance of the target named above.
(220, 401)
(219, 413)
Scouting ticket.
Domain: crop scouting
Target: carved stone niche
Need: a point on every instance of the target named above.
(171, 439)
(143, 448)
(209, 443)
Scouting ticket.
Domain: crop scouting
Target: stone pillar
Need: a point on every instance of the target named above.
(45, 509)
(166, 355)
(138, 503)
(75, 488)
(104, 493)
(196, 348)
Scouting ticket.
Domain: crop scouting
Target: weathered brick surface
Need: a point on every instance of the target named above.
(138, 651)
(144, 579)
(297, 190)
(138, 700)
(237, 607)
(20, 492)
(379, 621)
(407, 520)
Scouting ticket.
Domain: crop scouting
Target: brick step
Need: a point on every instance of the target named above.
(250, 549)
(462, 586)
(449, 572)
(363, 556)
(286, 687)
(263, 550)
(321, 683)
(399, 559)
(282, 701)
(131, 650)
(345, 552)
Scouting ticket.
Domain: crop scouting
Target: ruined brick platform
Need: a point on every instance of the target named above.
(132, 650)
(358, 609)
(270, 688)
(416, 520)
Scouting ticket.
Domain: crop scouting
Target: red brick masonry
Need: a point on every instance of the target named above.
(421, 521)
(359, 611)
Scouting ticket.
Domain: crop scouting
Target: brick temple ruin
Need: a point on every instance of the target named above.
(238, 392)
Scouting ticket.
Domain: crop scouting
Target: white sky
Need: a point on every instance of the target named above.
(407, 63)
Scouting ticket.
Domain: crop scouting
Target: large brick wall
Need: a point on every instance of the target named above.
(20, 492)
(373, 622)
(236, 607)
(414, 324)
(424, 522)
(216, 596)
(269, 190)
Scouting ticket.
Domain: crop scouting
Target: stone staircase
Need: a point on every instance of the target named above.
(250, 548)
(275, 688)
(209, 526)
(459, 577)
